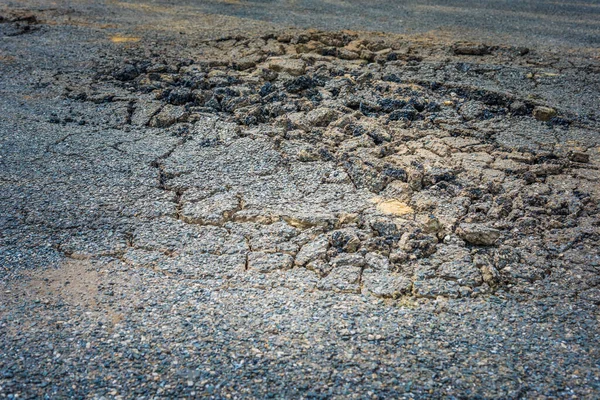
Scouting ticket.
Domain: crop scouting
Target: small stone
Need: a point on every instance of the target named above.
(317, 249)
(346, 54)
(311, 47)
(478, 234)
(471, 49)
(127, 73)
(542, 113)
(245, 63)
(289, 65)
(518, 108)
(321, 116)
(430, 223)
(417, 243)
(472, 110)
(431, 288)
(306, 155)
(345, 239)
(394, 207)
(398, 256)
(377, 262)
(460, 271)
(320, 267)
(214, 210)
(343, 279)
(386, 285)
(384, 227)
(267, 262)
(579, 157)
(353, 260)
(367, 55)
(180, 96)
(168, 116)
(490, 274)
(144, 111)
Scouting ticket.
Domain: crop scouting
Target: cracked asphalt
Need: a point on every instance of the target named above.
(196, 204)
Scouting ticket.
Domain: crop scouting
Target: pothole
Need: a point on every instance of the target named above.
(367, 166)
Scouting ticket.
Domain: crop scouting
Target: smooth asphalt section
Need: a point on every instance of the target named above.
(540, 22)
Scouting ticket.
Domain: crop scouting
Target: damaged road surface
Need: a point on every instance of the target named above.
(293, 213)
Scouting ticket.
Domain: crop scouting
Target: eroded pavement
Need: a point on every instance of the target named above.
(353, 169)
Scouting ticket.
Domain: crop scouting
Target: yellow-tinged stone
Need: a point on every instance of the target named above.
(549, 74)
(124, 39)
(350, 78)
(347, 218)
(542, 113)
(4, 58)
(392, 207)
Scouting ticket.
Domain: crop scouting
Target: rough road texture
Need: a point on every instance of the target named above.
(565, 22)
(293, 213)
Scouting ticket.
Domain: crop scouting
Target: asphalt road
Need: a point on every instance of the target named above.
(549, 23)
(283, 215)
